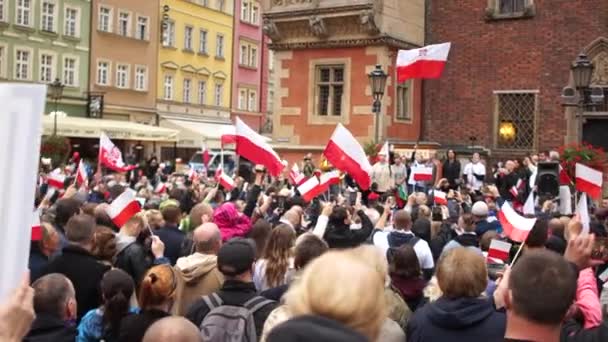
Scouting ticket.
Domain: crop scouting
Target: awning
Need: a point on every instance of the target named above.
(78, 127)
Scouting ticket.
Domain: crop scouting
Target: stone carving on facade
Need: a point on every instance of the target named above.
(600, 74)
(368, 22)
(317, 27)
(290, 2)
(271, 30)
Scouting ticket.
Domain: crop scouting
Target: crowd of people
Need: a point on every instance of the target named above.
(259, 263)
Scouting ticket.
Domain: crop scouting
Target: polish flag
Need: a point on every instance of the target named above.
(564, 179)
(514, 191)
(254, 147)
(426, 62)
(225, 181)
(310, 189)
(329, 178)
(36, 227)
(440, 197)
(423, 173)
(583, 213)
(588, 180)
(81, 174)
(160, 188)
(499, 250)
(295, 176)
(110, 156)
(206, 156)
(123, 208)
(515, 226)
(56, 179)
(529, 205)
(345, 153)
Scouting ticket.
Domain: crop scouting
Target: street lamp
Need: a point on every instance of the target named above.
(582, 70)
(55, 91)
(377, 81)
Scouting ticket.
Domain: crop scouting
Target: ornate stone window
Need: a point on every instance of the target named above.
(515, 120)
(329, 90)
(510, 9)
(403, 95)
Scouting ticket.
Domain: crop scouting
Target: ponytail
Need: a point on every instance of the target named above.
(146, 293)
(115, 309)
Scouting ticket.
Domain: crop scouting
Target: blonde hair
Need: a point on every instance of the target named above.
(462, 272)
(352, 293)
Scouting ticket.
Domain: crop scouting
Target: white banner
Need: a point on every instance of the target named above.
(20, 127)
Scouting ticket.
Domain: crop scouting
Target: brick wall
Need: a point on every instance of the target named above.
(520, 54)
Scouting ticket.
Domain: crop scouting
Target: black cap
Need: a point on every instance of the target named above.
(236, 257)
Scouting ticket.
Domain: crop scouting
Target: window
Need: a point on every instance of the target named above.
(253, 57)
(202, 44)
(329, 90)
(124, 24)
(142, 28)
(22, 64)
(242, 104)
(2, 10)
(244, 58)
(515, 118)
(252, 103)
(103, 73)
(220, 5)
(70, 70)
(202, 92)
(219, 49)
(105, 19)
(168, 88)
(403, 101)
(122, 76)
(249, 55)
(188, 38)
(510, 9)
(141, 78)
(71, 22)
(2, 61)
(186, 90)
(511, 6)
(24, 12)
(250, 12)
(219, 89)
(47, 16)
(169, 34)
(245, 11)
(255, 13)
(47, 72)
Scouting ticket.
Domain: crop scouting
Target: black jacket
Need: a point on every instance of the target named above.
(85, 272)
(133, 327)
(451, 171)
(572, 332)
(50, 328)
(341, 236)
(134, 260)
(235, 293)
(313, 328)
(172, 237)
(460, 319)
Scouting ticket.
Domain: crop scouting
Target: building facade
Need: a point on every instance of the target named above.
(323, 52)
(44, 40)
(195, 72)
(510, 59)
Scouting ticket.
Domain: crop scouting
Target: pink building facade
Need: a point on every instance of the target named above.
(250, 67)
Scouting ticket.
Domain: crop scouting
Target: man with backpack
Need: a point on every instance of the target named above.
(401, 235)
(236, 312)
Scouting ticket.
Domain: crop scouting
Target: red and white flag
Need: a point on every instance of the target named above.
(123, 208)
(440, 197)
(254, 147)
(582, 211)
(160, 188)
(56, 179)
(110, 156)
(514, 191)
(529, 205)
(426, 62)
(515, 226)
(499, 250)
(564, 179)
(225, 181)
(81, 174)
(588, 180)
(36, 227)
(314, 186)
(206, 156)
(329, 178)
(295, 176)
(345, 153)
(422, 173)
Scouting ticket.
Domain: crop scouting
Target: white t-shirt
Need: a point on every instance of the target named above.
(422, 249)
(474, 168)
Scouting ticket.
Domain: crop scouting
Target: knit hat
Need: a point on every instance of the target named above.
(313, 329)
(236, 256)
(480, 209)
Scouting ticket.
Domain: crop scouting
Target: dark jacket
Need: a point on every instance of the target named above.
(275, 293)
(451, 171)
(235, 293)
(313, 328)
(172, 237)
(133, 327)
(422, 229)
(445, 235)
(461, 319)
(85, 272)
(37, 261)
(573, 332)
(341, 236)
(133, 259)
(50, 328)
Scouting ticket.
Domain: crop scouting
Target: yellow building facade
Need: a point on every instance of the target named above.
(194, 72)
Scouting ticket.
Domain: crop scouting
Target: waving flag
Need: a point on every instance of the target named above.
(499, 250)
(564, 179)
(81, 174)
(583, 213)
(426, 62)
(36, 227)
(515, 226)
(422, 173)
(110, 156)
(254, 147)
(225, 181)
(314, 186)
(588, 180)
(160, 188)
(345, 153)
(123, 208)
(529, 205)
(440, 197)
(206, 156)
(56, 179)
(295, 176)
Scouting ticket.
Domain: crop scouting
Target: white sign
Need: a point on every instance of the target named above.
(20, 127)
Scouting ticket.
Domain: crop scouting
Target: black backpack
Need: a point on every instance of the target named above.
(393, 244)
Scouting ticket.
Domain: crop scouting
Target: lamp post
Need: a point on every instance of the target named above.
(377, 81)
(55, 91)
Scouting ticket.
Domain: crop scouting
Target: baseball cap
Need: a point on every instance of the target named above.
(480, 209)
(236, 256)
